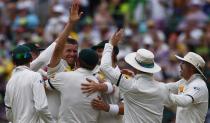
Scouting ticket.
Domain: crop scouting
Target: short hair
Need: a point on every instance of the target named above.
(88, 59)
(71, 41)
(85, 65)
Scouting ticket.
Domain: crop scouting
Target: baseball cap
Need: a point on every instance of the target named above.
(21, 55)
(89, 56)
(102, 45)
(33, 47)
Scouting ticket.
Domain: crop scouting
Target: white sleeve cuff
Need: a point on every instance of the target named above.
(110, 88)
(114, 109)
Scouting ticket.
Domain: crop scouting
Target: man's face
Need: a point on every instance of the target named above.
(70, 53)
(185, 69)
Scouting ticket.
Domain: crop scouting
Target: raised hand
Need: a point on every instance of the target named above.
(74, 11)
(117, 37)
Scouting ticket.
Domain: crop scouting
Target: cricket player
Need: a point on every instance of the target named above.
(25, 97)
(75, 106)
(110, 104)
(144, 97)
(63, 58)
(43, 59)
(192, 97)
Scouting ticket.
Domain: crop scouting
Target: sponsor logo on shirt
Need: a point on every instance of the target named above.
(181, 88)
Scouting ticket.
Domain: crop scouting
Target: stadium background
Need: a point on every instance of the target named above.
(166, 27)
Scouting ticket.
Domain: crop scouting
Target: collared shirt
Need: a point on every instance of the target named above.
(195, 109)
(75, 106)
(25, 97)
(111, 98)
(36, 65)
(53, 95)
(143, 96)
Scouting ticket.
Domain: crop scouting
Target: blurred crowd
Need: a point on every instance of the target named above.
(166, 27)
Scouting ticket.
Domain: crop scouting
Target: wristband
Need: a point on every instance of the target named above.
(109, 87)
(113, 108)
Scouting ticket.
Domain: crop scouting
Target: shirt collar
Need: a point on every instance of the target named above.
(146, 76)
(20, 68)
(83, 70)
(193, 77)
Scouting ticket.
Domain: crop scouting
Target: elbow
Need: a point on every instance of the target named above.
(183, 104)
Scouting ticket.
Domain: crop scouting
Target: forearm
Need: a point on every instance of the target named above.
(43, 59)
(61, 40)
(106, 64)
(181, 100)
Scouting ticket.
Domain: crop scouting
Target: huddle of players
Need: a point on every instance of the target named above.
(77, 89)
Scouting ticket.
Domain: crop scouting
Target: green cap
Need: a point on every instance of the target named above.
(102, 45)
(89, 56)
(33, 47)
(21, 54)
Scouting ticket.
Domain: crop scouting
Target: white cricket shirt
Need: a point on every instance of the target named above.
(192, 100)
(25, 97)
(75, 106)
(144, 97)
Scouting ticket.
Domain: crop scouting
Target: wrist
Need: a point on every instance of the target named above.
(113, 108)
(107, 108)
(109, 87)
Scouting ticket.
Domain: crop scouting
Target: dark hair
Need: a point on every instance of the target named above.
(102, 45)
(71, 41)
(85, 65)
(88, 59)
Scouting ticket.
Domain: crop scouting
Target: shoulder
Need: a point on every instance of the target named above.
(198, 84)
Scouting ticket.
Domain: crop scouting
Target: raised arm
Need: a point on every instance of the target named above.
(43, 59)
(106, 61)
(74, 17)
(113, 75)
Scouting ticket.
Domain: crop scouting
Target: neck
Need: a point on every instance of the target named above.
(27, 65)
(188, 77)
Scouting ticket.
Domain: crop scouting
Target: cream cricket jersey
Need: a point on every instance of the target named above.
(25, 97)
(144, 97)
(112, 98)
(53, 95)
(192, 100)
(75, 106)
